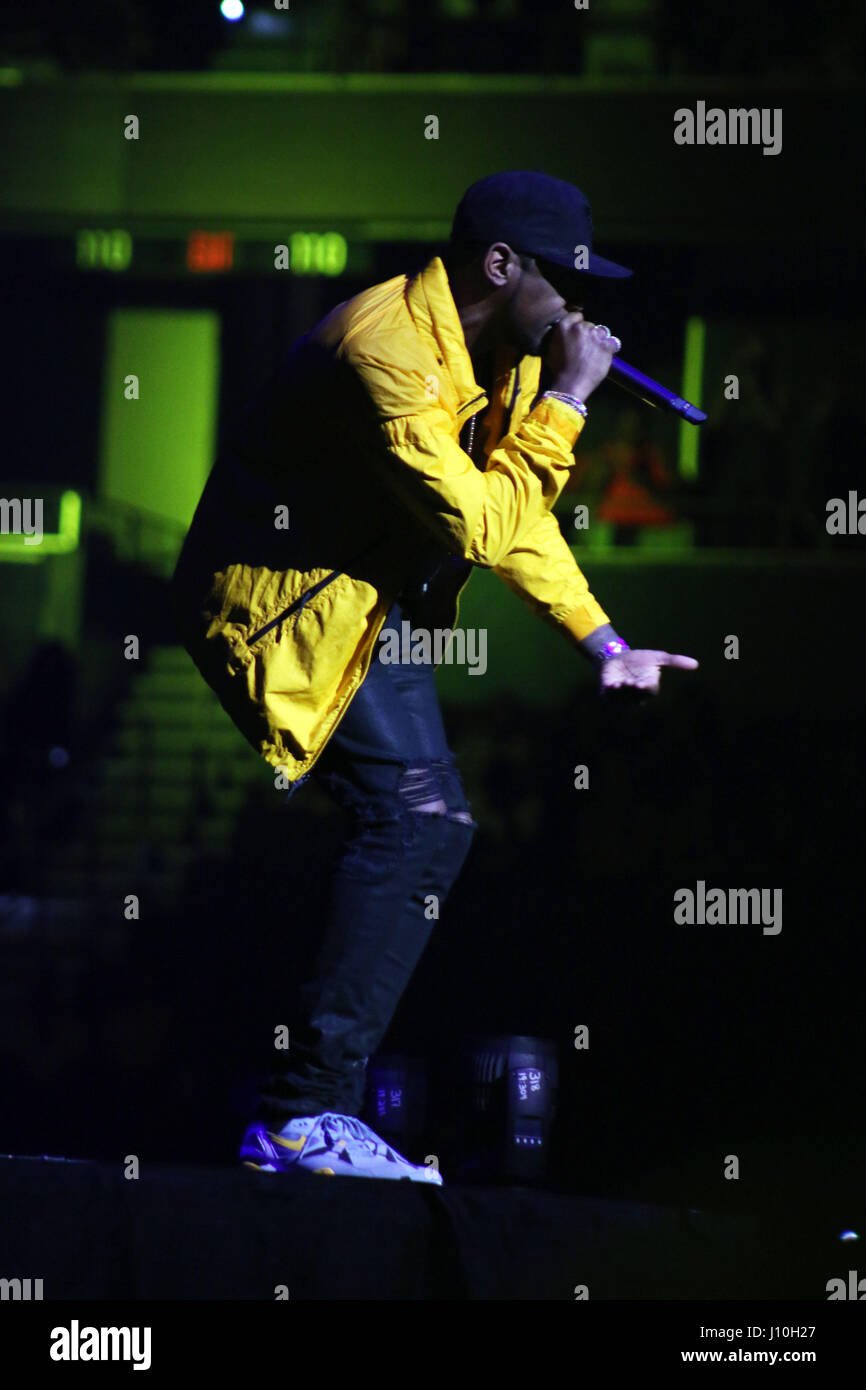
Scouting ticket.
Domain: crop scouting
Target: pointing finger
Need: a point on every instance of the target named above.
(684, 663)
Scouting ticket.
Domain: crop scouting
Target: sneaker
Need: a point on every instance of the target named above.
(331, 1144)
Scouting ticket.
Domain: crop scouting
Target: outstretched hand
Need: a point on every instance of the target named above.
(640, 670)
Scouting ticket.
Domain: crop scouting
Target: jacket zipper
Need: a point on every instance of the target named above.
(303, 599)
(298, 604)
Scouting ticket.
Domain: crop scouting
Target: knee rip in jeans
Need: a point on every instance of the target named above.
(387, 825)
(421, 789)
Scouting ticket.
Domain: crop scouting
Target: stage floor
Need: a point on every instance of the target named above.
(188, 1233)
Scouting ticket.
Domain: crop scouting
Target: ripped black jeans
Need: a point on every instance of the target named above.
(387, 759)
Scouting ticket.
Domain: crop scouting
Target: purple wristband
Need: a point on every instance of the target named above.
(612, 649)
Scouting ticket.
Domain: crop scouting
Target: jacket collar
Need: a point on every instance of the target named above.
(431, 304)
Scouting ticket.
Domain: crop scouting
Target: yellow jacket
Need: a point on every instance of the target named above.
(349, 481)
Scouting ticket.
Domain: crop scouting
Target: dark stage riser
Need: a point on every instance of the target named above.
(192, 1233)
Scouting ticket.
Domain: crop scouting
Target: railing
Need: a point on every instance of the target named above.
(138, 536)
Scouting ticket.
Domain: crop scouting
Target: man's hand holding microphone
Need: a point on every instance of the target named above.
(578, 354)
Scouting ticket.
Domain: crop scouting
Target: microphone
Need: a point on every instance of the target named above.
(637, 384)
(651, 392)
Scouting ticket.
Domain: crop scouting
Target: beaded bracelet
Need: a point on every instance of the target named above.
(569, 400)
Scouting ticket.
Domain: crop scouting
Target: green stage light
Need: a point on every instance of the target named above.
(96, 249)
(312, 253)
(693, 376)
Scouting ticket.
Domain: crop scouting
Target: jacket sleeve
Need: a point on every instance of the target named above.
(541, 570)
(480, 516)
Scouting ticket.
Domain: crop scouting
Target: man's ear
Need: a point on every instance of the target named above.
(499, 264)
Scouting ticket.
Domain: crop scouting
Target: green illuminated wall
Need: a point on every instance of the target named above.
(156, 451)
(259, 153)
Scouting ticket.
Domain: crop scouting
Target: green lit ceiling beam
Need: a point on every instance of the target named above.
(400, 82)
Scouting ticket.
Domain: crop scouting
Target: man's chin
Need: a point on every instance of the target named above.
(537, 349)
(530, 347)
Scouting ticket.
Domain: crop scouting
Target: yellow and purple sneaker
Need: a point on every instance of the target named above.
(331, 1144)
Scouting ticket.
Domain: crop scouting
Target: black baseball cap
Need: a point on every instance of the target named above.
(534, 213)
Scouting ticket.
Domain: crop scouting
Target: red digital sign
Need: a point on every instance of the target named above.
(210, 251)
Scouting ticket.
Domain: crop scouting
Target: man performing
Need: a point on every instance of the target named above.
(400, 444)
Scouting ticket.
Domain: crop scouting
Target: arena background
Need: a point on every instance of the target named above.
(121, 777)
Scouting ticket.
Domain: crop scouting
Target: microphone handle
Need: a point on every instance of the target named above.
(651, 392)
